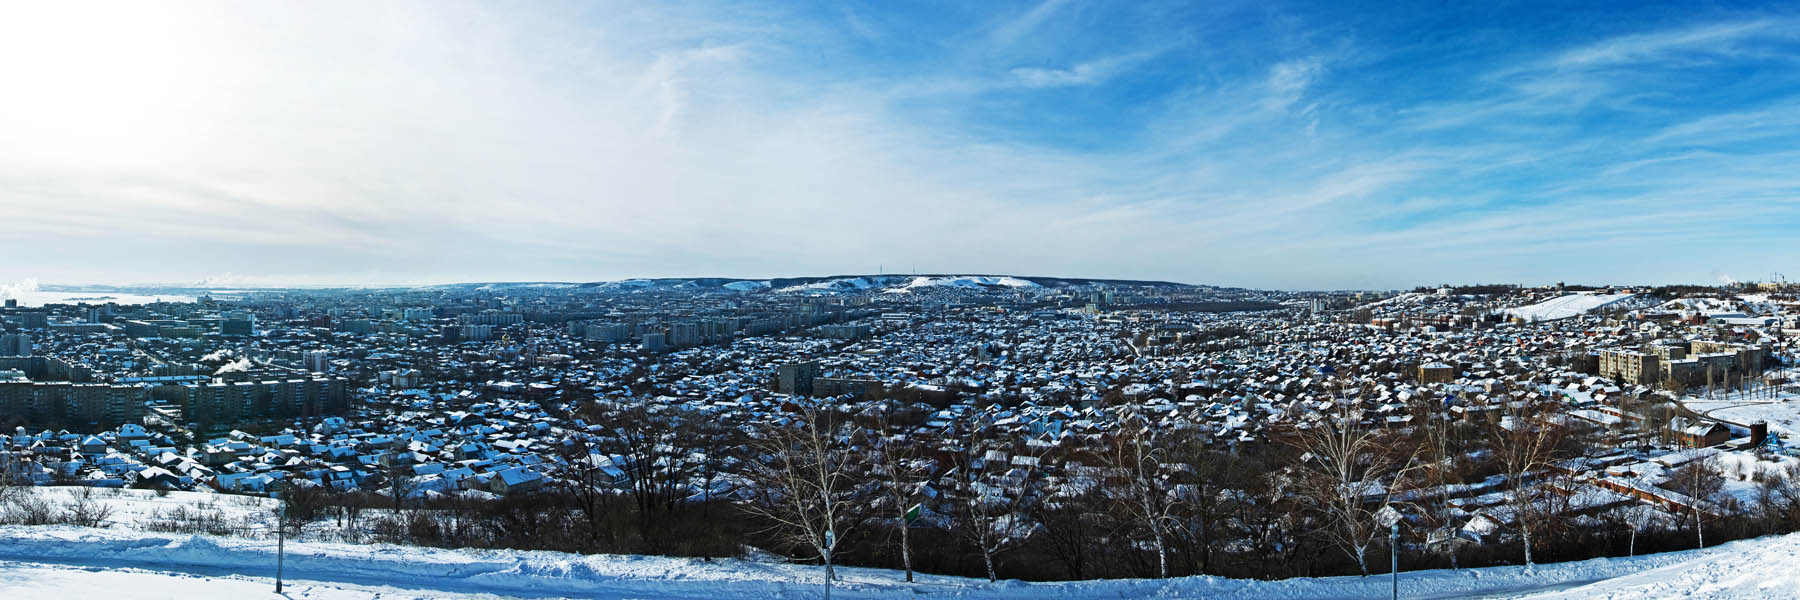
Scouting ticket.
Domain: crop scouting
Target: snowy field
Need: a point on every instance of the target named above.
(1780, 410)
(1565, 307)
(1782, 415)
(42, 562)
(133, 509)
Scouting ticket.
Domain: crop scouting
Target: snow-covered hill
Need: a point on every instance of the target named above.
(746, 286)
(1572, 305)
(963, 281)
(831, 284)
(45, 562)
(844, 284)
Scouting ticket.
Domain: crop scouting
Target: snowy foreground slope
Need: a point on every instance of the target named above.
(68, 562)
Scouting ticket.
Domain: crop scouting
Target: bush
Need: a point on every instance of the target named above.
(28, 510)
(86, 512)
(204, 519)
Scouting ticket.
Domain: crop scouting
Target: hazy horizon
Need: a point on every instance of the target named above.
(27, 287)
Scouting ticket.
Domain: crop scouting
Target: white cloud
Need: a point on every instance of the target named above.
(1289, 80)
(18, 289)
(1714, 38)
(406, 143)
(1018, 27)
(1086, 73)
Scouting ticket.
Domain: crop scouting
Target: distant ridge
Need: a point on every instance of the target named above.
(857, 283)
(1043, 281)
(738, 284)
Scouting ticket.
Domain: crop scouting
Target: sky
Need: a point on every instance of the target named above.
(1331, 145)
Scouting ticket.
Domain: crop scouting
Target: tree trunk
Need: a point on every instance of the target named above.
(906, 548)
(1699, 528)
(988, 557)
(1162, 556)
(1362, 561)
(1526, 530)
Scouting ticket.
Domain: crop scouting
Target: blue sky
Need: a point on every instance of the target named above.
(1257, 144)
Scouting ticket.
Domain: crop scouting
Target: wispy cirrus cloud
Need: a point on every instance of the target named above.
(1710, 40)
(1089, 72)
(1263, 146)
(1011, 30)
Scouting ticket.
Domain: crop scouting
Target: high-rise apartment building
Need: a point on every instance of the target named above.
(15, 344)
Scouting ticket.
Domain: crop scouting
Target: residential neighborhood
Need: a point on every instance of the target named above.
(964, 401)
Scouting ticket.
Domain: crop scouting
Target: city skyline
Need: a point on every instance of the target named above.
(1271, 146)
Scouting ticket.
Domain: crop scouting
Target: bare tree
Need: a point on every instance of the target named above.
(1637, 517)
(400, 483)
(1270, 518)
(1144, 494)
(587, 489)
(718, 445)
(1700, 480)
(13, 483)
(1527, 438)
(1069, 524)
(1441, 441)
(989, 511)
(645, 444)
(349, 511)
(1350, 468)
(1778, 497)
(899, 472)
(803, 484)
(1206, 482)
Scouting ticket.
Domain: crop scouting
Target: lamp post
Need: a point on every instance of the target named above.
(1394, 553)
(1390, 517)
(280, 538)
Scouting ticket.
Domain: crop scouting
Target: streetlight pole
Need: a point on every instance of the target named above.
(1394, 554)
(280, 540)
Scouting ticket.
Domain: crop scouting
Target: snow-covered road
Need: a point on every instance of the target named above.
(67, 562)
(36, 580)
